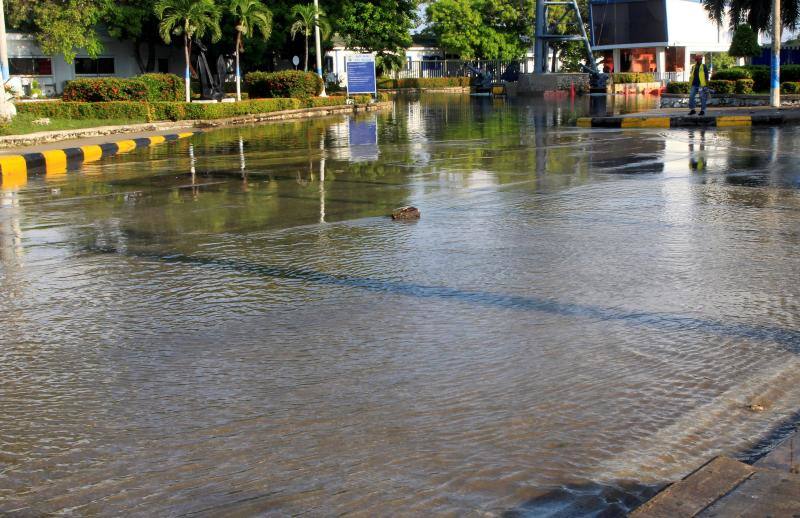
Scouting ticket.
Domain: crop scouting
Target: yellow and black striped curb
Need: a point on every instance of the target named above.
(721, 121)
(14, 169)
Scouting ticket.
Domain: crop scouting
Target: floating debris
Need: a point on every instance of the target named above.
(406, 213)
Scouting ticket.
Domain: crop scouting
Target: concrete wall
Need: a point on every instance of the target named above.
(537, 84)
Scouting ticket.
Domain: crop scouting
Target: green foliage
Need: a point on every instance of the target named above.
(755, 13)
(188, 18)
(251, 16)
(162, 87)
(632, 77)
(723, 61)
(744, 86)
(193, 111)
(790, 87)
(732, 74)
(482, 29)
(722, 86)
(678, 87)
(387, 64)
(790, 73)
(83, 110)
(744, 43)
(426, 82)
(383, 26)
(103, 89)
(287, 83)
(307, 17)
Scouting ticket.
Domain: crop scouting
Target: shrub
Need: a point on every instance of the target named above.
(790, 87)
(288, 83)
(722, 86)
(744, 42)
(678, 87)
(162, 87)
(744, 86)
(732, 74)
(82, 110)
(424, 82)
(103, 89)
(760, 75)
(632, 77)
(790, 73)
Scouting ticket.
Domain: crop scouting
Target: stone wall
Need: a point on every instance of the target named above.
(537, 84)
(682, 100)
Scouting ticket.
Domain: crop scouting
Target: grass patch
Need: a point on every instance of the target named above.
(23, 123)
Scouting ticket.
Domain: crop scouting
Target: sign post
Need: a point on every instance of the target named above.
(361, 75)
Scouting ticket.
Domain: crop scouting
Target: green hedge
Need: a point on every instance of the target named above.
(425, 82)
(174, 110)
(632, 77)
(287, 83)
(86, 110)
(678, 87)
(103, 89)
(744, 86)
(732, 74)
(790, 87)
(722, 86)
(163, 87)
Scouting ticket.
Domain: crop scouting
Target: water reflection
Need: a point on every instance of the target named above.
(232, 325)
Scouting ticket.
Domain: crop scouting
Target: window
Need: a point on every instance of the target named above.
(30, 66)
(94, 67)
(163, 65)
(628, 21)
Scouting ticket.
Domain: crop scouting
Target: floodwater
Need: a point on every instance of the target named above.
(229, 325)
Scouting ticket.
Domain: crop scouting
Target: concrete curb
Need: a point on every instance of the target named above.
(15, 169)
(721, 121)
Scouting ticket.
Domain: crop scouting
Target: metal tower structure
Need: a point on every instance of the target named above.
(544, 37)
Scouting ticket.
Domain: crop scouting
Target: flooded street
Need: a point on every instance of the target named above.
(230, 324)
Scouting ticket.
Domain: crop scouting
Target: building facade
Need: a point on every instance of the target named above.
(27, 63)
(657, 36)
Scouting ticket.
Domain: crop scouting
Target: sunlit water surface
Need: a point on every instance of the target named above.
(232, 325)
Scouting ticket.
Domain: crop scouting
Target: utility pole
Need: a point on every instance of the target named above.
(775, 62)
(318, 43)
(7, 109)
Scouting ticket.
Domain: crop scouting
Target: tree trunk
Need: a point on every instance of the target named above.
(151, 56)
(238, 73)
(305, 63)
(186, 77)
(555, 60)
(137, 55)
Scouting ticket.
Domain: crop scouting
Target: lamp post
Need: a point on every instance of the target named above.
(318, 44)
(775, 62)
(7, 109)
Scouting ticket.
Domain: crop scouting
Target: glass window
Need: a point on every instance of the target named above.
(675, 59)
(89, 66)
(628, 21)
(30, 66)
(638, 60)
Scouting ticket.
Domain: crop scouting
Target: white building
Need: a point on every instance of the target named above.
(658, 36)
(27, 63)
(416, 54)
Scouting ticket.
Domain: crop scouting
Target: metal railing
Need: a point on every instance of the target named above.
(668, 77)
(453, 68)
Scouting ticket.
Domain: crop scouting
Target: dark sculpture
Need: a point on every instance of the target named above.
(597, 79)
(483, 78)
(212, 86)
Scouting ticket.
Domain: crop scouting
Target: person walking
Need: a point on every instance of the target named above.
(699, 84)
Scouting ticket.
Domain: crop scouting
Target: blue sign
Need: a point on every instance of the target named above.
(361, 74)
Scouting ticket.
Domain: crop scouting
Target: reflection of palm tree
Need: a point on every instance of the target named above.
(305, 24)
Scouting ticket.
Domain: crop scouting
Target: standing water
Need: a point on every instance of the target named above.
(231, 325)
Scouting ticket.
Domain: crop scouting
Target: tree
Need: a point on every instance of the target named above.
(744, 43)
(251, 15)
(135, 21)
(755, 13)
(482, 29)
(380, 26)
(61, 27)
(190, 19)
(305, 22)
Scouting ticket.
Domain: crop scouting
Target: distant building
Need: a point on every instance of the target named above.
(27, 63)
(658, 36)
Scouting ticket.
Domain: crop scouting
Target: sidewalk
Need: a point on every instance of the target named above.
(714, 118)
(724, 487)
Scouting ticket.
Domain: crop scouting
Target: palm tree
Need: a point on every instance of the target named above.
(250, 15)
(305, 15)
(191, 19)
